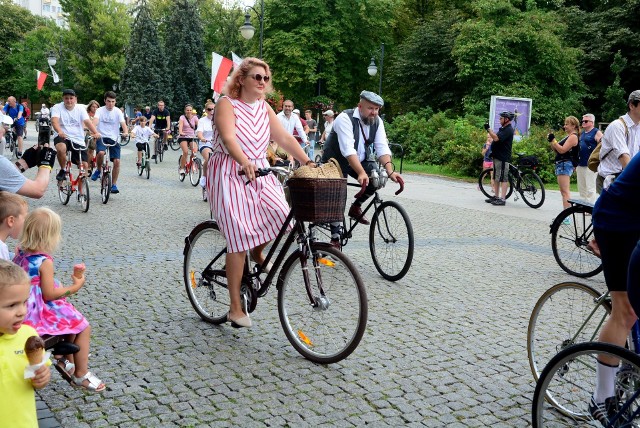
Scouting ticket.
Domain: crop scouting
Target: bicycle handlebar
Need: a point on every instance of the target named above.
(261, 172)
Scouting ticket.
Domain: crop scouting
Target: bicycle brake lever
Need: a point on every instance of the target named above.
(401, 183)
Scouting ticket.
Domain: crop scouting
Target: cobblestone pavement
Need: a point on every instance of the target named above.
(445, 346)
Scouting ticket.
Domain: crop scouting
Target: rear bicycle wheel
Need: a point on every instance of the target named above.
(566, 314)
(531, 189)
(173, 143)
(84, 195)
(205, 278)
(195, 172)
(571, 233)
(328, 326)
(570, 378)
(484, 184)
(391, 241)
(105, 187)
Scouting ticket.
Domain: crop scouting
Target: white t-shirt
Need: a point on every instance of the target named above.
(142, 134)
(205, 125)
(71, 122)
(4, 251)
(10, 178)
(109, 122)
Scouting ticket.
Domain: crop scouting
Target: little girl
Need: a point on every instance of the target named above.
(142, 134)
(48, 310)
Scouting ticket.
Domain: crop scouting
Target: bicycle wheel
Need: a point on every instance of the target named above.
(141, 168)
(570, 379)
(173, 143)
(391, 241)
(569, 242)
(565, 314)
(147, 168)
(181, 176)
(84, 196)
(154, 143)
(161, 151)
(204, 275)
(328, 328)
(484, 184)
(125, 140)
(195, 172)
(531, 189)
(105, 187)
(64, 191)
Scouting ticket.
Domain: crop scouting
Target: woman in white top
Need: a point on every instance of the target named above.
(204, 132)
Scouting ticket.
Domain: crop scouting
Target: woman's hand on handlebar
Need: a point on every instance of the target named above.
(249, 170)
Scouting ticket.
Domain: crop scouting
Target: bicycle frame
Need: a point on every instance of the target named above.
(81, 173)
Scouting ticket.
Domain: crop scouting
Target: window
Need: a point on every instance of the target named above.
(46, 8)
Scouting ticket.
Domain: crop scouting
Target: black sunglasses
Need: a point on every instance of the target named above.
(259, 77)
(209, 108)
(586, 121)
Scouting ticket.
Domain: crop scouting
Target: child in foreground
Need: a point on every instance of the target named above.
(18, 403)
(13, 210)
(48, 310)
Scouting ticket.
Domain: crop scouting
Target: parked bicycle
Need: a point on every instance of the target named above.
(322, 302)
(79, 185)
(193, 164)
(522, 178)
(571, 234)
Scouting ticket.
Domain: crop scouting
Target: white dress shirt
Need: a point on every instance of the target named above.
(344, 130)
(616, 144)
(292, 122)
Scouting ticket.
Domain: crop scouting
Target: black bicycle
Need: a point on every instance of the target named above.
(322, 302)
(522, 178)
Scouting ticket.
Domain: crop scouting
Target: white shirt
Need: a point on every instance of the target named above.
(4, 251)
(328, 126)
(205, 125)
(109, 122)
(71, 122)
(292, 122)
(616, 143)
(142, 134)
(44, 113)
(344, 130)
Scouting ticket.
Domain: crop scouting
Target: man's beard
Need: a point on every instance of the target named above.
(369, 120)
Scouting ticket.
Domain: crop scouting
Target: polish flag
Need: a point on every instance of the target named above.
(220, 68)
(40, 78)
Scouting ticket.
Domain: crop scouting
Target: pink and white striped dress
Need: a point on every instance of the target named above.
(248, 215)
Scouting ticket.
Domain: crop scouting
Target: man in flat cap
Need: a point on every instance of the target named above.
(356, 141)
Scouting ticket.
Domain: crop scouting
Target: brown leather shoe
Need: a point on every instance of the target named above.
(355, 212)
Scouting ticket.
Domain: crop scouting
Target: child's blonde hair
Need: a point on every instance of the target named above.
(11, 205)
(12, 274)
(42, 231)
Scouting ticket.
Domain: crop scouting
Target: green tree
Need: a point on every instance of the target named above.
(186, 56)
(614, 97)
(144, 78)
(220, 24)
(99, 32)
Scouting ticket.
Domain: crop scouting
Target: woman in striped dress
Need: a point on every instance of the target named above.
(249, 216)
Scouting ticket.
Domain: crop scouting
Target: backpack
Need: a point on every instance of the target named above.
(594, 158)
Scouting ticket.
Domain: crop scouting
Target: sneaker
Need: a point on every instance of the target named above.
(166, 147)
(60, 176)
(19, 154)
(203, 182)
(153, 157)
(114, 189)
(498, 201)
(604, 412)
(95, 175)
(181, 171)
(490, 199)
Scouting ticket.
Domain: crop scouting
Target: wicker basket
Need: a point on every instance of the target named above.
(318, 200)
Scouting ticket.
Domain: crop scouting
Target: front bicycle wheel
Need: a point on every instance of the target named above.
(195, 172)
(324, 322)
(205, 278)
(147, 168)
(571, 232)
(484, 184)
(566, 314)
(181, 176)
(105, 187)
(84, 195)
(64, 191)
(391, 241)
(570, 378)
(161, 150)
(532, 189)
(173, 143)
(141, 168)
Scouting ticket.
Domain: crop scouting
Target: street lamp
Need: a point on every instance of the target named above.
(115, 87)
(51, 59)
(247, 30)
(372, 69)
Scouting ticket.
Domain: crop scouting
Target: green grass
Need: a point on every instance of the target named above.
(444, 171)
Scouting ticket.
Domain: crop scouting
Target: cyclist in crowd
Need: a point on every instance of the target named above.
(16, 112)
(291, 122)
(27, 116)
(356, 141)
(187, 125)
(67, 119)
(204, 132)
(160, 122)
(251, 215)
(566, 150)
(147, 113)
(501, 151)
(141, 133)
(92, 107)
(110, 121)
(328, 124)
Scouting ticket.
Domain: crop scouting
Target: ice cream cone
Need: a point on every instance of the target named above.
(78, 270)
(34, 348)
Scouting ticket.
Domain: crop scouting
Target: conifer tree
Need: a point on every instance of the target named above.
(144, 79)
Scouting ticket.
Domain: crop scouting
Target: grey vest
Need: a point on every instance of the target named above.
(332, 147)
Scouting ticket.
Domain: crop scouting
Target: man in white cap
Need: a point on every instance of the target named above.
(357, 140)
(328, 124)
(291, 121)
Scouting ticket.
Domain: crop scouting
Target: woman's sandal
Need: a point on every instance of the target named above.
(95, 384)
(65, 368)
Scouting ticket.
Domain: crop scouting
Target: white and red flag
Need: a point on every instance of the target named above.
(41, 76)
(220, 68)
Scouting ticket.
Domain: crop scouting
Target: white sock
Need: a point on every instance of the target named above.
(605, 379)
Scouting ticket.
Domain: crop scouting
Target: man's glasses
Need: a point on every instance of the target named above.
(209, 109)
(586, 121)
(259, 77)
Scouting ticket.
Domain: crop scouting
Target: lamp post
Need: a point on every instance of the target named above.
(52, 60)
(247, 30)
(372, 69)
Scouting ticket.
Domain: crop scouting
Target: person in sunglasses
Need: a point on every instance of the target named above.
(589, 138)
(204, 132)
(249, 211)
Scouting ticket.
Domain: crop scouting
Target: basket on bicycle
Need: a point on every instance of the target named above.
(318, 200)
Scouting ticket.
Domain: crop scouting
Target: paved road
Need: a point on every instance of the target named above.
(445, 346)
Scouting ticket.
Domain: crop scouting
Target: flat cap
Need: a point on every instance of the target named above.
(372, 97)
(329, 113)
(634, 96)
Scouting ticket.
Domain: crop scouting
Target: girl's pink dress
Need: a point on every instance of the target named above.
(55, 317)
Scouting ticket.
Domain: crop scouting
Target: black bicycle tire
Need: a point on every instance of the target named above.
(85, 194)
(373, 233)
(175, 146)
(484, 191)
(105, 187)
(181, 177)
(147, 167)
(536, 180)
(125, 139)
(571, 212)
(533, 327)
(141, 168)
(291, 265)
(64, 192)
(562, 361)
(198, 166)
(189, 281)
